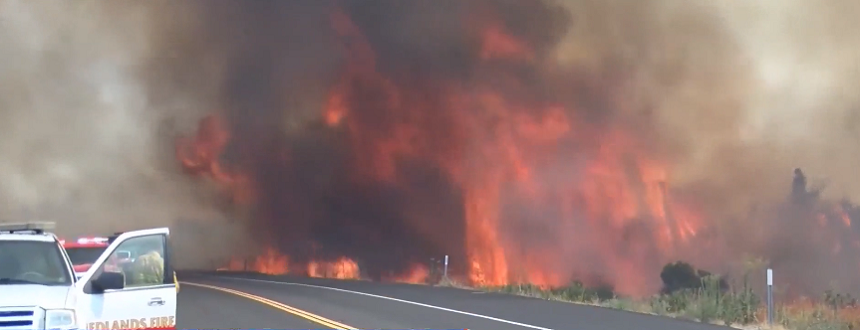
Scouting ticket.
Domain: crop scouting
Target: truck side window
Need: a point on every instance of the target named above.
(140, 259)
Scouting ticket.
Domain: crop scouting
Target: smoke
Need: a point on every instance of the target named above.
(84, 142)
(793, 106)
(781, 95)
(730, 98)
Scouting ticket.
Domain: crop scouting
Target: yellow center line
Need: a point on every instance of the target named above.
(280, 306)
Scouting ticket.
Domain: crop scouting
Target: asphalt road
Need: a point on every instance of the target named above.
(366, 305)
(201, 308)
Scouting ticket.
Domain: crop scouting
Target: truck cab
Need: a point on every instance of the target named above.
(39, 289)
(84, 251)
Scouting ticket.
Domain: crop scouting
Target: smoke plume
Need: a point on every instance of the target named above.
(86, 141)
(528, 140)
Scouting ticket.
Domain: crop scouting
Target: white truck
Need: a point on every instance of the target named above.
(38, 288)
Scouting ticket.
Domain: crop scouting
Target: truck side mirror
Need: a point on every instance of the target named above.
(109, 281)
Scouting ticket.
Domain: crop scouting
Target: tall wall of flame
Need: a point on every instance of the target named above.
(530, 140)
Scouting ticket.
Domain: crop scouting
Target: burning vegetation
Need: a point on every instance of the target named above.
(523, 139)
(538, 141)
(567, 149)
(486, 163)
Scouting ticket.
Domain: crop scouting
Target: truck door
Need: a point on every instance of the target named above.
(140, 293)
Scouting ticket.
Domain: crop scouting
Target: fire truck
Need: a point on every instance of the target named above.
(85, 251)
(38, 289)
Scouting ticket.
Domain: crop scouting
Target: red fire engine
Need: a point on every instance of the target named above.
(86, 250)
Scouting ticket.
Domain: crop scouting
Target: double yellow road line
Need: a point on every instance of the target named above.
(292, 310)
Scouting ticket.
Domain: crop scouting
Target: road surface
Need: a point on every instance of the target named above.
(201, 308)
(366, 305)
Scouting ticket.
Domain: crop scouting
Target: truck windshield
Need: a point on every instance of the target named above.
(32, 262)
(85, 255)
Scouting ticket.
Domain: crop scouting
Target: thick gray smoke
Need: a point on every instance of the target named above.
(84, 142)
(741, 95)
(733, 96)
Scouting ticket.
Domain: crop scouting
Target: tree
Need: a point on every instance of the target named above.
(681, 275)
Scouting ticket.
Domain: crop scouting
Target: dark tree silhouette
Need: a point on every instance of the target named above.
(681, 275)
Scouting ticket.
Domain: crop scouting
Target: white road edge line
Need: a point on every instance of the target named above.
(392, 299)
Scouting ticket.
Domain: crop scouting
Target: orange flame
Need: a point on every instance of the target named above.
(603, 193)
(200, 156)
(343, 268)
(274, 263)
(497, 44)
(616, 184)
(418, 274)
(507, 146)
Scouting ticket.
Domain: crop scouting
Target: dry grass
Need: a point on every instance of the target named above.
(808, 314)
(451, 283)
(740, 309)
